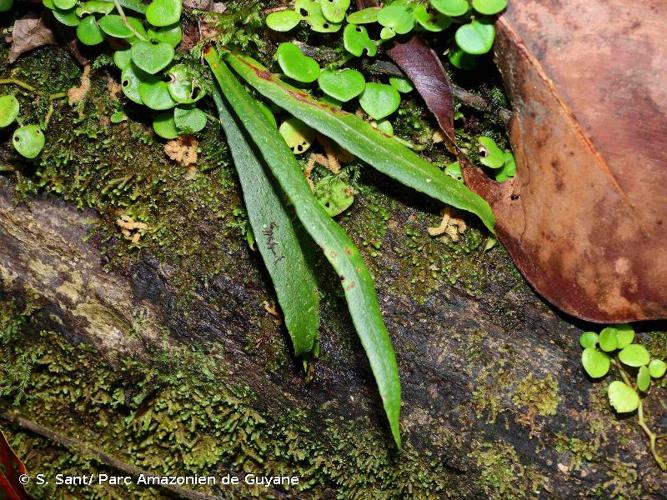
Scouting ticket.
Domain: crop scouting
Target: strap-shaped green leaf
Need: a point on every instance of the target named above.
(338, 248)
(293, 279)
(378, 150)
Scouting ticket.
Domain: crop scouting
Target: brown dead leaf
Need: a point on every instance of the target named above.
(29, 33)
(584, 218)
(182, 150)
(420, 63)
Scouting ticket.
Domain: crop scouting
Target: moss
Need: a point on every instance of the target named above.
(179, 415)
(577, 450)
(541, 396)
(623, 480)
(502, 474)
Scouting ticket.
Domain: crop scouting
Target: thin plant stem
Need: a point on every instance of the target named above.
(652, 437)
(122, 15)
(18, 83)
(49, 113)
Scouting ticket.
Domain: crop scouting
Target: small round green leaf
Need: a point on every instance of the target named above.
(588, 339)
(657, 368)
(608, 340)
(475, 37)
(490, 154)
(387, 33)
(113, 25)
(319, 24)
(168, 34)
(356, 40)
(622, 397)
(88, 32)
(431, 21)
(28, 141)
(94, 7)
(462, 60)
(184, 85)
(397, 17)
(66, 17)
(307, 8)
(130, 80)
(189, 120)
(296, 65)
(379, 100)
(625, 334)
(283, 20)
(64, 4)
(298, 136)
(122, 58)
(156, 95)
(634, 355)
(489, 7)
(452, 8)
(9, 110)
(454, 170)
(118, 117)
(164, 126)
(595, 363)
(364, 16)
(508, 170)
(643, 379)
(343, 85)
(152, 58)
(403, 85)
(334, 10)
(164, 12)
(334, 194)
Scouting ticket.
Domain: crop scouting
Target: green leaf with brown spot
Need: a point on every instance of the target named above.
(337, 246)
(358, 137)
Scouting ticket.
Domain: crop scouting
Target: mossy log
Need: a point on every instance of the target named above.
(164, 353)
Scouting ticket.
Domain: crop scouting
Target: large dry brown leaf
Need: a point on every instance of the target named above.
(29, 33)
(584, 219)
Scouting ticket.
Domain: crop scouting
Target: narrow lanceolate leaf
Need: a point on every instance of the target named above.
(293, 279)
(357, 136)
(337, 246)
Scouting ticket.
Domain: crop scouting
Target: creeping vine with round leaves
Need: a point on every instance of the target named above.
(472, 35)
(614, 347)
(149, 74)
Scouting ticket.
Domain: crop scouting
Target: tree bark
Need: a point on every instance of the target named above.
(467, 363)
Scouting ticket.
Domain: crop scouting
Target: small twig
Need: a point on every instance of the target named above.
(17, 82)
(82, 448)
